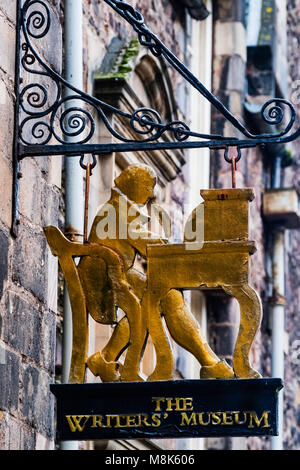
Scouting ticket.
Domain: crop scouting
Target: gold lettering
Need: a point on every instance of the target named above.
(139, 418)
(108, 420)
(118, 421)
(131, 421)
(158, 402)
(156, 420)
(227, 418)
(171, 403)
(200, 416)
(236, 417)
(188, 404)
(97, 422)
(264, 418)
(75, 422)
(215, 418)
(174, 404)
(185, 420)
(144, 418)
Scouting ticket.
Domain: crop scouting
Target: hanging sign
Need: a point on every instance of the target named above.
(167, 409)
(212, 256)
(215, 254)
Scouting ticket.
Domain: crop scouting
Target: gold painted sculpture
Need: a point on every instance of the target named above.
(106, 278)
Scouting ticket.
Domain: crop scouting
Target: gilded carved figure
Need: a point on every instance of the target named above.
(106, 278)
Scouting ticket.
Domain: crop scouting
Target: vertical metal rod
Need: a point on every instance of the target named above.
(73, 171)
(233, 170)
(16, 161)
(86, 203)
(278, 328)
(276, 173)
(278, 310)
(74, 75)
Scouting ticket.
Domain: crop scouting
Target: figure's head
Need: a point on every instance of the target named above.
(137, 182)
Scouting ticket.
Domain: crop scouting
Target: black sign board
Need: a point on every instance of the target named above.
(178, 409)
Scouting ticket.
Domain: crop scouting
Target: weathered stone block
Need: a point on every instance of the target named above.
(38, 201)
(29, 261)
(7, 45)
(235, 74)
(42, 443)
(22, 326)
(9, 381)
(31, 192)
(27, 438)
(37, 400)
(230, 39)
(9, 9)
(48, 340)
(3, 260)
(4, 432)
(14, 434)
(49, 47)
(7, 124)
(50, 199)
(5, 184)
(229, 10)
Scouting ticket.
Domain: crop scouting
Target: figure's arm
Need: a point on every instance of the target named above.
(148, 238)
(142, 237)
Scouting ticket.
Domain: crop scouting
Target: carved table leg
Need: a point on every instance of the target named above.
(130, 304)
(164, 358)
(251, 314)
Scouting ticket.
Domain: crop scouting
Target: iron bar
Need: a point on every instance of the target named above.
(145, 122)
(104, 149)
(86, 202)
(64, 124)
(16, 154)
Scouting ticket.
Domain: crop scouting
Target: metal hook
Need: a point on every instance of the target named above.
(90, 165)
(233, 161)
(237, 158)
(88, 169)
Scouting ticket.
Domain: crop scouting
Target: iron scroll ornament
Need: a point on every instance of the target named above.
(79, 123)
(52, 117)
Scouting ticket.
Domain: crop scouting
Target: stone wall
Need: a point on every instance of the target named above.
(27, 274)
(255, 171)
(292, 179)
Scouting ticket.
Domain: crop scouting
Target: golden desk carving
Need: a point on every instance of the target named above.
(105, 279)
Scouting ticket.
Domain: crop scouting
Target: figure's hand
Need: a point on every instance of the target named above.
(147, 237)
(156, 240)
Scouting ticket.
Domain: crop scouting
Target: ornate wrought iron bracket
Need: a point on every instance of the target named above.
(52, 117)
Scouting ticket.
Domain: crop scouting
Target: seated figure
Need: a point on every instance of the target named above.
(134, 187)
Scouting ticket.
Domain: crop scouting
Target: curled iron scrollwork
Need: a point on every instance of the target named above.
(74, 121)
(273, 115)
(39, 20)
(52, 108)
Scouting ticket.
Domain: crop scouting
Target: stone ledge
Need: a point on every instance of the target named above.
(230, 39)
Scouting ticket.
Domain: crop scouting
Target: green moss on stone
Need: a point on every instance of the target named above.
(125, 66)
